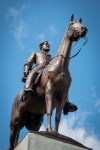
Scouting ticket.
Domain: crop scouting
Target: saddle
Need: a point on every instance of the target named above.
(37, 77)
(38, 90)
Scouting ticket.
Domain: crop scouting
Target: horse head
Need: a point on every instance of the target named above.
(76, 29)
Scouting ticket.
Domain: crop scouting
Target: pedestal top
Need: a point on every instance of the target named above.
(60, 137)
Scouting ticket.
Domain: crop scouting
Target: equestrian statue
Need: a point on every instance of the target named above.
(46, 86)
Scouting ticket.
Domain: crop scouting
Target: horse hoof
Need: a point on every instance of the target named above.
(49, 129)
(55, 132)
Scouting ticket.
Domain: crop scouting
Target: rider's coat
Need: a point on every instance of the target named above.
(41, 59)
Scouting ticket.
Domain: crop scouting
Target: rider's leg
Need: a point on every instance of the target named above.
(30, 82)
(28, 88)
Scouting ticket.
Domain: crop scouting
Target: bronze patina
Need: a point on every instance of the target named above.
(46, 86)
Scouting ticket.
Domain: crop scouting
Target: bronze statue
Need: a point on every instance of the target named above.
(51, 85)
(41, 59)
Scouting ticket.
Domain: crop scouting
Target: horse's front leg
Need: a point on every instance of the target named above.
(48, 99)
(60, 105)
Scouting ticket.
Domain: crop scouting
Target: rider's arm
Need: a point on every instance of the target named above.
(28, 65)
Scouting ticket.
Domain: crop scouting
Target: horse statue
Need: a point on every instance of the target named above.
(54, 83)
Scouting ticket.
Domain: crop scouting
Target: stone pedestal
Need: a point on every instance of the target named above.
(49, 141)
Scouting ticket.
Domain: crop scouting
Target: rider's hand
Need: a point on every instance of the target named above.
(26, 72)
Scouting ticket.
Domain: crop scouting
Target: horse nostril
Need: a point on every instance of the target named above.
(86, 30)
(82, 28)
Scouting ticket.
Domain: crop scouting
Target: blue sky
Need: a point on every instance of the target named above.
(23, 25)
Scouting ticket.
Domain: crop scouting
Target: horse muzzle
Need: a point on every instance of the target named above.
(83, 32)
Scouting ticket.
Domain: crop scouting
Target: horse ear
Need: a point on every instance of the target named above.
(80, 20)
(72, 17)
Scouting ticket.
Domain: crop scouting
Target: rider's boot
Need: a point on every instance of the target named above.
(27, 95)
(28, 88)
(69, 107)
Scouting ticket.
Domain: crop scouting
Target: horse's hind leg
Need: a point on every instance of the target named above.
(14, 129)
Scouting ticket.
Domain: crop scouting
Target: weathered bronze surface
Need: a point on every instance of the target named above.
(49, 90)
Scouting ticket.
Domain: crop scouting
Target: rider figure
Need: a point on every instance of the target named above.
(41, 59)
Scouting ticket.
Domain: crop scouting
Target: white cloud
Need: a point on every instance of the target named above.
(22, 46)
(14, 13)
(71, 127)
(75, 127)
(93, 92)
(20, 31)
(40, 37)
(52, 30)
(42, 128)
(95, 97)
(25, 7)
(18, 26)
(97, 105)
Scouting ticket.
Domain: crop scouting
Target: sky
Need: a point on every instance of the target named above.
(26, 23)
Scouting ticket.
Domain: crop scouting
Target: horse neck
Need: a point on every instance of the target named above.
(64, 52)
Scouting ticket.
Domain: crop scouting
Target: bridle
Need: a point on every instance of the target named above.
(85, 38)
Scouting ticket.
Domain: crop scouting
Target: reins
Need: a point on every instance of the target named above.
(86, 40)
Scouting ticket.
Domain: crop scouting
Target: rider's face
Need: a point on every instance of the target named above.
(46, 46)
